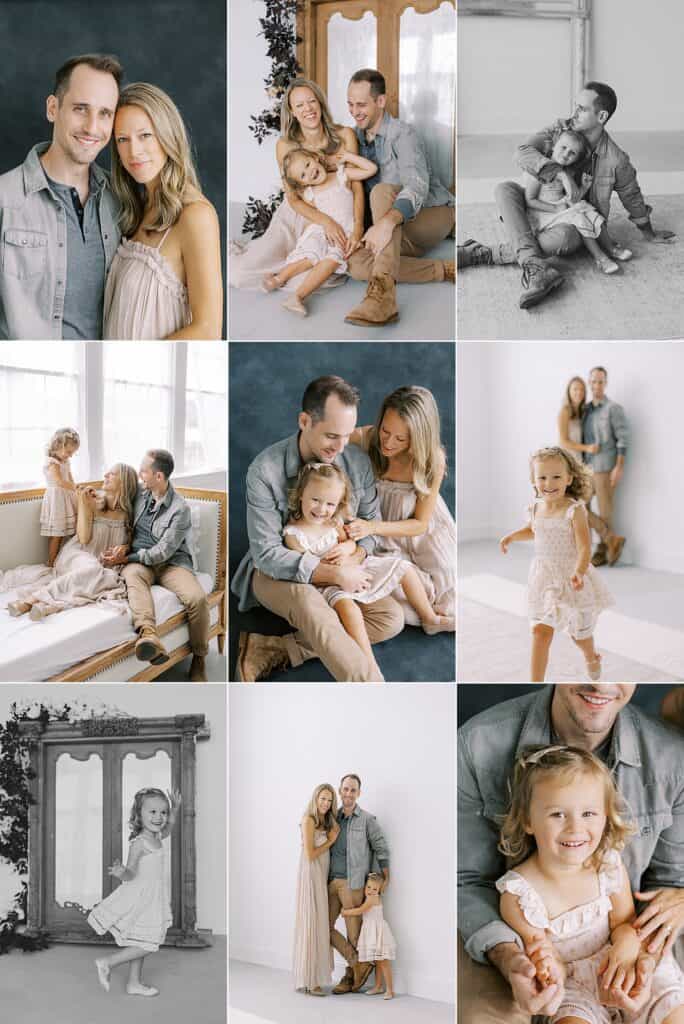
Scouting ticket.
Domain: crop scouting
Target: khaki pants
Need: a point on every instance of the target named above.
(604, 497)
(484, 996)
(320, 634)
(409, 241)
(183, 583)
(341, 897)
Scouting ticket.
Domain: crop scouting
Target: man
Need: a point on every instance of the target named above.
(359, 849)
(411, 210)
(286, 581)
(496, 980)
(58, 215)
(160, 553)
(604, 423)
(608, 168)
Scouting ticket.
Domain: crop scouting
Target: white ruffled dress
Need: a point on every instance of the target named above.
(551, 598)
(58, 510)
(386, 572)
(580, 936)
(582, 215)
(335, 200)
(376, 941)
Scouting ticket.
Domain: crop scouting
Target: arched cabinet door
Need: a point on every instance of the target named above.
(86, 775)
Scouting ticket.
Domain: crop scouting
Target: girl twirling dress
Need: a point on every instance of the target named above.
(580, 937)
(551, 597)
(138, 912)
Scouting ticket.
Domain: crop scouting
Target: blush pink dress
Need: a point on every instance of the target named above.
(58, 510)
(144, 300)
(313, 955)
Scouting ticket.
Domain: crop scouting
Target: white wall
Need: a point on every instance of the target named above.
(508, 401)
(400, 739)
(515, 73)
(160, 699)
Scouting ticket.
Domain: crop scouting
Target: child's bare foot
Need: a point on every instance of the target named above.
(271, 283)
(103, 972)
(295, 305)
(16, 608)
(377, 991)
(388, 995)
(142, 990)
(439, 624)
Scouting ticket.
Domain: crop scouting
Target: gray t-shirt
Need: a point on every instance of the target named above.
(84, 296)
(338, 850)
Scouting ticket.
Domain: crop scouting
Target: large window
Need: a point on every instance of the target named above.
(122, 398)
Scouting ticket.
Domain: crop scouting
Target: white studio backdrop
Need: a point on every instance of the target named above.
(509, 397)
(160, 700)
(400, 740)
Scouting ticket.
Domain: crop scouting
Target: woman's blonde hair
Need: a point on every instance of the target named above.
(178, 182)
(312, 808)
(540, 763)
(581, 485)
(290, 129)
(417, 408)
(65, 435)
(128, 487)
(324, 471)
(568, 403)
(289, 159)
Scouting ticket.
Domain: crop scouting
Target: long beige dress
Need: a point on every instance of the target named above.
(313, 955)
(77, 577)
(144, 300)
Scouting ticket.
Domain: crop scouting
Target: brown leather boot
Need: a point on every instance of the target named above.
(449, 271)
(362, 973)
(198, 671)
(379, 306)
(345, 983)
(150, 648)
(599, 557)
(614, 546)
(259, 656)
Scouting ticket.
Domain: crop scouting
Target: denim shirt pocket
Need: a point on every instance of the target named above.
(24, 252)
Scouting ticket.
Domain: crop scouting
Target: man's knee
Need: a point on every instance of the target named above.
(391, 621)
(560, 240)
(381, 199)
(133, 571)
(195, 601)
(505, 191)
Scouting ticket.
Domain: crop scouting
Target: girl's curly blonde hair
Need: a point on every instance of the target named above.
(540, 763)
(581, 486)
(324, 471)
(65, 435)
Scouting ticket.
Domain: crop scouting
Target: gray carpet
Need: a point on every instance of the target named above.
(642, 301)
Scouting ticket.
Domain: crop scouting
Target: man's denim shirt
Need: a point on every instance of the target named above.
(611, 431)
(403, 160)
(646, 759)
(170, 526)
(609, 166)
(269, 478)
(367, 849)
(33, 255)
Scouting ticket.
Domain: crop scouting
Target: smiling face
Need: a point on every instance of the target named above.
(349, 793)
(551, 478)
(372, 888)
(323, 440)
(366, 109)
(304, 170)
(137, 144)
(566, 150)
(577, 392)
(305, 107)
(567, 817)
(112, 481)
(82, 120)
(154, 813)
(320, 500)
(324, 802)
(584, 714)
(394, 435)
(597, 385)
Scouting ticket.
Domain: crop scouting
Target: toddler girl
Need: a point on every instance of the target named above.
(569, 897)
(330, 192)
(564, 590)
(548, 204)
(58, 511)
(376, 943)
(138, 913)
(318, 504)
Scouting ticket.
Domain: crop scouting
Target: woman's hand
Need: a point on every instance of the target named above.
(357, 529)
(661, 921)
(592, 449)
(334, 832)
(335, 234)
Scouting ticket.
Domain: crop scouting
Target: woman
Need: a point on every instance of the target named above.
(305, 120)
(570, 437)
(313, 958)
(103, 521)
(165, 278)
(410, 464)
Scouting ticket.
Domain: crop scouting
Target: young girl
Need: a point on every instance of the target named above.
(564, 590)
(376, 943)
(569, 897)
(330, 192)
(548, 204)
(138, 912)
(318, 505)
(58, 511)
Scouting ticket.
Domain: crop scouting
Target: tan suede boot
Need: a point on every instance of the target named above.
(362, 973)
(344, 985)
(379, 306)
(449, 271)
(198, 671)
(259, 656)
(150, 648)
(614, 546)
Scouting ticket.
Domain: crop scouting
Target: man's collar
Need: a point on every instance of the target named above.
(380, 130)
(35, 177)
(354, 814)
(162, 502)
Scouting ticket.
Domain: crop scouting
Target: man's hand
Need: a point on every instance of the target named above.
(661, 921)
(379, 235)
(353, 578)
(335, 234)
(114, 556)
(357, 529)
(616, 475)
(528, 992)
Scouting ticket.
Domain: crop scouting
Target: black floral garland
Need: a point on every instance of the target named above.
(279, 29)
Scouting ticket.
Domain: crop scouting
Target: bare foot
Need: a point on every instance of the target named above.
(142, 990)
(295, 305)
(439, 624)
(103, 972)
(16, 608)
(377, 991)
(270, 283)
(388, 995)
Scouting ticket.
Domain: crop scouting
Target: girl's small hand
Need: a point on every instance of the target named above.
(577, 580)
(504, 543)
(593, 449)
(357, 529)
(175, 800)
(117, 869)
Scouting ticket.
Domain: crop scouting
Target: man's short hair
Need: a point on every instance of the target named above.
(97, 61)
(374, 78)
(162, 461)
(350, 775)
(606, 98)
(599, 369)
(318, 391)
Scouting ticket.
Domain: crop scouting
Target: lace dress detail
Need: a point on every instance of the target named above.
(337, 201)
(58, 511)
(313, 954)
(551, 598)
(386, 572)
(144, 300)
(376, 941)
(580, 937)
(581, 214)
